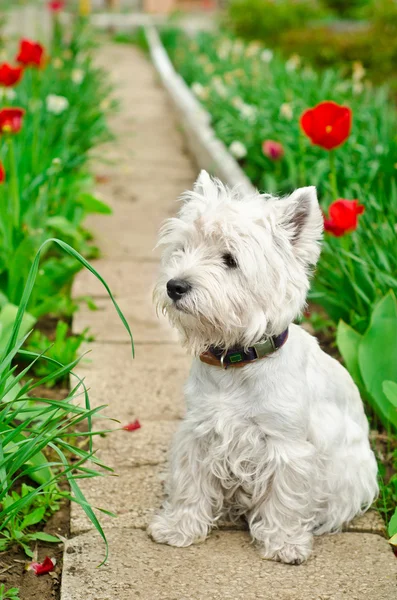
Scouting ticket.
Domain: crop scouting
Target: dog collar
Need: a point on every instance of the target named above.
(238, 357)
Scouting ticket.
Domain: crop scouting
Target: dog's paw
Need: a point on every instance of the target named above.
(169, 531)
(291, 554)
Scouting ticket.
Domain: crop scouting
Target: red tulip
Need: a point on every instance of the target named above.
(343, 216)
(9, 75)
(43, 568)
(11, 120)
(56, 5)
(2, 173)
(273, 150)
(30, 53)
(327, 125)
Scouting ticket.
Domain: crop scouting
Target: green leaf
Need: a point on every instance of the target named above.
(63, 226)
(348, 341)
(33, 518)
(19, 267)
(392, 528)
(93, 205)
(390, 391)
(41, 473)
(377, 356)
(45, 537)
(7, 319)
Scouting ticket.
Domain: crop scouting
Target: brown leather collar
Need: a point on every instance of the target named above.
(240, 357)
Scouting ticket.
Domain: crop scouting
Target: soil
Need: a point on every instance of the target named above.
(13, 563)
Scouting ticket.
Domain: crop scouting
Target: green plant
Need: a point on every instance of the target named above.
(47, 186)
(10, 594)
(18, 529)
(372, 361)
(64, 348)
(371, 358)
(39, 436)
(267, 19)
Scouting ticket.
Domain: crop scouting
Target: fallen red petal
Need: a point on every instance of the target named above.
(43, 568)
(132, 426)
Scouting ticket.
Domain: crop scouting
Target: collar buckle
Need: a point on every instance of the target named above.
(264, 347)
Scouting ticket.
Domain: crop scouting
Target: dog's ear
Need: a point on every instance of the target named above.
(203, 183)
(304, 219)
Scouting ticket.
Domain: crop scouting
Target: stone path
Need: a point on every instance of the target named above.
(148, 170)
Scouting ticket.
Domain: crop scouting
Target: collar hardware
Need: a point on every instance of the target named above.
(239, 357)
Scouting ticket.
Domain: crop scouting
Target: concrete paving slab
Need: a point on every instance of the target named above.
(130, 279)
(105, 324)
(147, 446)
(348, 566)
(150, 387)
(132, 494)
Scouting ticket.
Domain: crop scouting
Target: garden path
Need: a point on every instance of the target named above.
(147, 169)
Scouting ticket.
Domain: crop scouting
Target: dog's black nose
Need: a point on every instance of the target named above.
(176, 288)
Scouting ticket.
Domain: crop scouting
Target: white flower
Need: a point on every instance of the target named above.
(379, 149)
(286, 111)
(77, 76)
(267, 55)
(199, 90)
(209, 69)
(358, 71)
(224, 49)
(57, 63)
(358, 87)
(219, 87)
(252, 49)
(56, 104)
(238, 47)
(238, 149)
(293, 63)
(248, 112)
(7, 94)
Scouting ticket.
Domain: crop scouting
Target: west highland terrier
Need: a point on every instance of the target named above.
(275, 429)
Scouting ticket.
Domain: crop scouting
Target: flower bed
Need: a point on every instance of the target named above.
(54, 104)
(289, 126)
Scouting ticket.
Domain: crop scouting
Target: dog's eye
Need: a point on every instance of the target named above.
(229, 260)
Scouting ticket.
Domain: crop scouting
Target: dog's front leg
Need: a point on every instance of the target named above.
(282, 521)
(194, 496)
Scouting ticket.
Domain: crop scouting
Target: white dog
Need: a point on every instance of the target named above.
(283, 440)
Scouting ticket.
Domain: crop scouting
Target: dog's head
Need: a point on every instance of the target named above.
(237, 268)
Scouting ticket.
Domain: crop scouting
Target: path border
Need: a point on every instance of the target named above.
(207, 149)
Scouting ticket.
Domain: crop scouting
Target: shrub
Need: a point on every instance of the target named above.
(267, 19)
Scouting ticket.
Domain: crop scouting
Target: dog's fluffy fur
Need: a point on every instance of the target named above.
(283, 441)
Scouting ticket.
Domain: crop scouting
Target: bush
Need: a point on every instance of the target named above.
(295, 28)
(267, 19)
